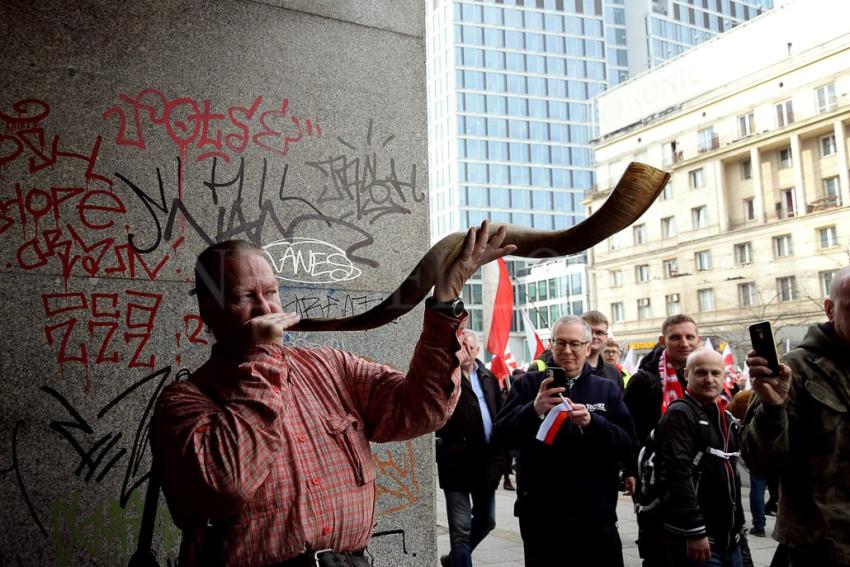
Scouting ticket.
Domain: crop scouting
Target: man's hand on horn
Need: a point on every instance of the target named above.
(479, 247)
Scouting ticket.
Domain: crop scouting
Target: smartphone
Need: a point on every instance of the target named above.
(559, 378)
(761, 335)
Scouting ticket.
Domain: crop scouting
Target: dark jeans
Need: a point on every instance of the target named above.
(469, 524)
(757, 488)
(730, 558)
(547, 543)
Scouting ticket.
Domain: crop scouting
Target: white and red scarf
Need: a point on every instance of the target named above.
(671, 387)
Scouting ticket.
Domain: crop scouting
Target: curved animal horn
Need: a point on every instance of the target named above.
(634, 193)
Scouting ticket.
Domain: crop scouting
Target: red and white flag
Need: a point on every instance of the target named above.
(554, 421)
(728, 358)
(535, 345)
(500, 326)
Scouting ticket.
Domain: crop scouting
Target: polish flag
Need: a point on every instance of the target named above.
(535, 345)
(500, 326)
(554, 421)
(707, 345)
(629, 364)
(728, 357)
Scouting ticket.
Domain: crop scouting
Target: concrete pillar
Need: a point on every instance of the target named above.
(758, 190)
(721, 200)
(797, 164)
(843, 176)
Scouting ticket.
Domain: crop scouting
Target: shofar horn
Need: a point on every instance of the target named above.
(632, 196)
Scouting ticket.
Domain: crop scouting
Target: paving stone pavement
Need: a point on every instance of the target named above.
(503, 546)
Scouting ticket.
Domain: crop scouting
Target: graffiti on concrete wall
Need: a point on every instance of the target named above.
(112, 242)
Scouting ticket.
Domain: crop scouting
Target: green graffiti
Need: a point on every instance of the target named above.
(108, 534)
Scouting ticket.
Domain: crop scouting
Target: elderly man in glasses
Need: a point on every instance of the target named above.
(570, 440)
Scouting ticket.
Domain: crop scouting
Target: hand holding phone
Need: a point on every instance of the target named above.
(558, 376)
(764, 345)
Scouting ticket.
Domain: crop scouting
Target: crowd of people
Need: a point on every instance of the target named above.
(264, 459)
(672, 435)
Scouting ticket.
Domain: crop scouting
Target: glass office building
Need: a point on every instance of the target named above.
(510, 121)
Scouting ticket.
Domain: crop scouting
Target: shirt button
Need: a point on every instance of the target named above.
(326, 530)
(302, 438)
(317, 481)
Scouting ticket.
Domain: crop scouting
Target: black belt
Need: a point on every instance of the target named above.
(327, 558)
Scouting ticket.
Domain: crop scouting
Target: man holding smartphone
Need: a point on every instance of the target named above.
(567, 488)
(799, 427)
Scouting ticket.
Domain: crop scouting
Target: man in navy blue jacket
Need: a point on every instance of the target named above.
(567, 490)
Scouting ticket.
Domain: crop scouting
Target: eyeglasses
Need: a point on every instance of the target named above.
(575, 346)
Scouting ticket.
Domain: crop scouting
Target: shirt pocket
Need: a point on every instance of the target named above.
(347, 432)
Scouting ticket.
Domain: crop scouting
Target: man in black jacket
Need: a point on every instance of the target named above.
(468, 465)
(647, 395)
(567, 483)
(697, 444)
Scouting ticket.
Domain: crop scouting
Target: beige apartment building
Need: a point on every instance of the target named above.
(753, 126)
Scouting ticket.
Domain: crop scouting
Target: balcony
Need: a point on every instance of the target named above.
(830, 202)
(708, 144)
(672, 158)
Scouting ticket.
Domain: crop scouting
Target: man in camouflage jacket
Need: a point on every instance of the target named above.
(799, 426)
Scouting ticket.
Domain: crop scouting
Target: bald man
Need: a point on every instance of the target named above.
(799, 427)
(696, 457)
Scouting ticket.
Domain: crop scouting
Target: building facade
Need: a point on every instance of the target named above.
(749, 227)
(510, 85)
(659, 30)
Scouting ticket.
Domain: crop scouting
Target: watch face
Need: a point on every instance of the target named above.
(457, 307)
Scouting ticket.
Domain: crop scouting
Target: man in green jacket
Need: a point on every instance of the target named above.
(799, 426)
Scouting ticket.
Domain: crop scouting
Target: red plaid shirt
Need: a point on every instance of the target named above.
(274, 450)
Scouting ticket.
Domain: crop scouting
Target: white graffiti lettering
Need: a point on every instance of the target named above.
(307, 260)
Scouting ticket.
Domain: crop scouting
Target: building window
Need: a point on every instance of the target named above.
(702, 260)
(830, 190)
(644, 308)
(706, 299)
(617, 312)
(674, 305)
(786, 288)
(825, 96)
(671, 268)
(699, 217)
(787, 206)
(784, 114)
(639, 233)
(642, 273)
(827, 237)
(782, 246)
(616, 278)
(744, 253)
(614, 242)
(746, 125)
(668, 227)
(747, 294)
(825, 279)
(785, 160)
(667, 193)
(750, 209)
(827, 145)
(707, 139)
(696, 178)
(746, 169)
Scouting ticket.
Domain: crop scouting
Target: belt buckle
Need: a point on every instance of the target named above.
(317, 553)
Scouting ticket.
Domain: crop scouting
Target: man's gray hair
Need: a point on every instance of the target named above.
(573, 320)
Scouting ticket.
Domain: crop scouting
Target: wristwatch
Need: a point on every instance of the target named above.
(451, 308)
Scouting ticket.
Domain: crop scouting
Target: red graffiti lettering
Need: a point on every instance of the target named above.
(190, 123)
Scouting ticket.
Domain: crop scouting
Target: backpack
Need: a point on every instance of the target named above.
(648, 498)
